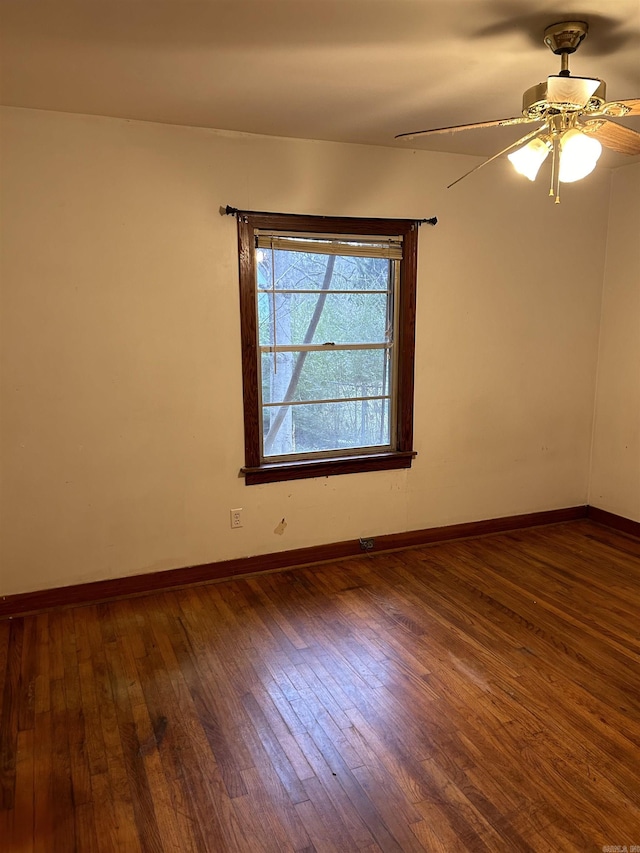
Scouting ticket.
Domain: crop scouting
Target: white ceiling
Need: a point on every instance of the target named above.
(343, 70)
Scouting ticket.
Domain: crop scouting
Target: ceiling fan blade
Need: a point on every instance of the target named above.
(629, 107)
(503, 122)
(614, 136)
(537, 132)
(572, 92)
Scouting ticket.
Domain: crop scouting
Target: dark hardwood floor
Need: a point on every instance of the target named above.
(479, 695)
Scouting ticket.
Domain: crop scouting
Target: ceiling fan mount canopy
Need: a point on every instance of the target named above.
(565, 37)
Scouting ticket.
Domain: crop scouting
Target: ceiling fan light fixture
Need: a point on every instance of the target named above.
(579, 154)
(528, 159)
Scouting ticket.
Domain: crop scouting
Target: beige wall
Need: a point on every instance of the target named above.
(122, 408)
(615, 471)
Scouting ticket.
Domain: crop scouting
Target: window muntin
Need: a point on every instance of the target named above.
(374, 414)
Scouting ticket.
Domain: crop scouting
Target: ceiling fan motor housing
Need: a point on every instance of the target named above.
(535, 104)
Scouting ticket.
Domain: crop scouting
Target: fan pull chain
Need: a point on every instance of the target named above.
(554, 189)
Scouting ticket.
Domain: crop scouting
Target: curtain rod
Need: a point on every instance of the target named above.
(234, 211)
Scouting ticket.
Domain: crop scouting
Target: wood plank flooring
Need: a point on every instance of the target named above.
(478, 695)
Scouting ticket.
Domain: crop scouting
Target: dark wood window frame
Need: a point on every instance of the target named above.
(255, 471)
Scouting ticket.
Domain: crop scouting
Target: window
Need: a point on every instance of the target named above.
(328, 317)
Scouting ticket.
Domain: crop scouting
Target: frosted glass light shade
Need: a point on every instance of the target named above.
(572, 91)
(528, 159)
(578, 155)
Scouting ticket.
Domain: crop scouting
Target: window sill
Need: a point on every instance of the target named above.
(276, 471)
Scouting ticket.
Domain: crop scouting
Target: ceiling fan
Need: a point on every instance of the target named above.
(572, 115)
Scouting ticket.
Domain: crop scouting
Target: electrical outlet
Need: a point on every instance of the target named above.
(236, 517)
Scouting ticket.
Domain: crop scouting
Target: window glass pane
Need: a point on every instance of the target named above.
(341, 318)
(307, 271)
(325, 426)
(326, 375)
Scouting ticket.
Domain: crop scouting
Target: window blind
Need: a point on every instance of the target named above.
(357, 246)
